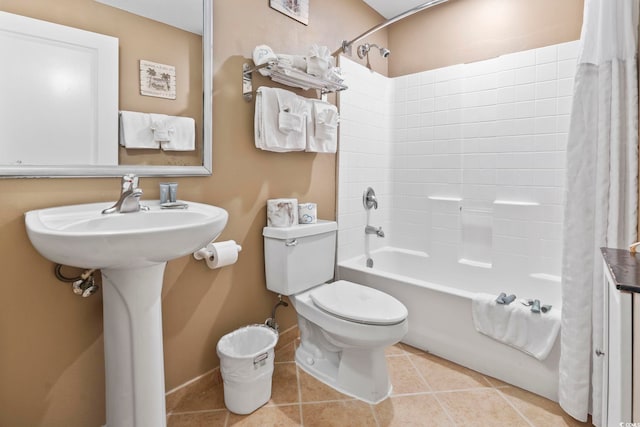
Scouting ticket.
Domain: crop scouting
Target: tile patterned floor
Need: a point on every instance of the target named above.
(427, 391)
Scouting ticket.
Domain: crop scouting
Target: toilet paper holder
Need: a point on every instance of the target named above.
(219, 254)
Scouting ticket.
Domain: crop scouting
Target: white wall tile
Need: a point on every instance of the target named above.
(524, 59)
(566, 68)
(506, 78)
(547, 89)
(427, 77)
(545, 125)
(441, 88)
(427, 91)
(564, 104)
(565, 87)
(546, 107)
(568, 50)
(525, 75)
(525, 92)
(545, 72)
(487, 130)
(548, 54)
(506, 94)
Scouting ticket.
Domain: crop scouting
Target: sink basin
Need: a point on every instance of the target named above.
(131, 250)
(81, 236)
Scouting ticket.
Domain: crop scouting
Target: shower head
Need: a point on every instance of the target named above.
(363, 50)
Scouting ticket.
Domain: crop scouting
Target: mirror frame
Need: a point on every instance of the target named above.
(51, 171)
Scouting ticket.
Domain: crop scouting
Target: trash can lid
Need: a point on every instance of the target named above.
(247, 342)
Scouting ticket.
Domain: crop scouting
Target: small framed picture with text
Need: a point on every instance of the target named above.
(296, 9)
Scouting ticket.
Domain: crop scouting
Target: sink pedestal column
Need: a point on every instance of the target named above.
(134, 361)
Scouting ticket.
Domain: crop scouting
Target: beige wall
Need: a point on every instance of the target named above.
(470, 30)
(51, 348)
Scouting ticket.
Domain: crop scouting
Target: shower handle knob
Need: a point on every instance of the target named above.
(369, 199)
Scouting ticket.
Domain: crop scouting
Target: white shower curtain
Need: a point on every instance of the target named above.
(602, 192)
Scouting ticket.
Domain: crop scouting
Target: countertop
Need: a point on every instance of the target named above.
(624, 267)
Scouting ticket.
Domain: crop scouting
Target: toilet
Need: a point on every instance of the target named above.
(344, 326)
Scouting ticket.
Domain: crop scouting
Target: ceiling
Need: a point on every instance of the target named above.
(389, 9)
(184, 14)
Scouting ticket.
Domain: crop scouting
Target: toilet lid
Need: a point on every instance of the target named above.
(358, 303)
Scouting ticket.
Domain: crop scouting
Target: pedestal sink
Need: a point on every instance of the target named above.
(131, 250)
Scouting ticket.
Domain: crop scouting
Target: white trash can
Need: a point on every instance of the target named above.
(246, 364)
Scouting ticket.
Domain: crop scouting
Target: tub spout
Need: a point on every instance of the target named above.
(369, 229)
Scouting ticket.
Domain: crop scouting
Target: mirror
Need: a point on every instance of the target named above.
(72, 13)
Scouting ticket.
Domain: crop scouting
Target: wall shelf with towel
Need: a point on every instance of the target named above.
(288, 76)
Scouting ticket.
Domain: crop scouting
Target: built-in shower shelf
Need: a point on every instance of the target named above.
(445, 199)
(473, 263)
(515, 203)
(287, 76)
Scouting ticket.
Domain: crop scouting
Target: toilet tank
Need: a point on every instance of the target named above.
(300, 257)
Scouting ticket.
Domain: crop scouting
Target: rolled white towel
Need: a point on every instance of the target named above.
(334, 75)
(263, 54)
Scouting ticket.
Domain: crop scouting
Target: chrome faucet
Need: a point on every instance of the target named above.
(129, 197)
(369, 229)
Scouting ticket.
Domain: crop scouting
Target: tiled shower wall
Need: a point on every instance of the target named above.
(475, 158)
(364, 159)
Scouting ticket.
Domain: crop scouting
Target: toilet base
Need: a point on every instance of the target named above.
(357, 372)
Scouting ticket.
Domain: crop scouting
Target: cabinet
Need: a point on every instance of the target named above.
(615, 353)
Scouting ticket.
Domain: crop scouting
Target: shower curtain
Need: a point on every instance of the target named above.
(602, 192)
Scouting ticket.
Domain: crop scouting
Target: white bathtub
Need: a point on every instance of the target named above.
(438, 297)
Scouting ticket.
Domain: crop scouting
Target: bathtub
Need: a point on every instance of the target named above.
(438, 296)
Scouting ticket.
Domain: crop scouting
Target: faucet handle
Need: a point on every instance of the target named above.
(129, 182)
(369, 199)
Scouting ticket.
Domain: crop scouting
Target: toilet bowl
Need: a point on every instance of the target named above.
(344, 326)
(343, 338)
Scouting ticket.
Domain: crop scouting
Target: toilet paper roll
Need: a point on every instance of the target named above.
(219, 254)
(223, 254)
(307, 213)
(282, 212)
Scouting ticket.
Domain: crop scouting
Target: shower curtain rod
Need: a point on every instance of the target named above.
(346, 45)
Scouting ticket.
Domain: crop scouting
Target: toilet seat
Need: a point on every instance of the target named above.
(357, 303)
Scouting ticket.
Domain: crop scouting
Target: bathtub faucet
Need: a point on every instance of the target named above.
(369, 229)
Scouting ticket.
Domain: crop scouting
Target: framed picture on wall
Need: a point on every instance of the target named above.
(157, 80)
(296, 9)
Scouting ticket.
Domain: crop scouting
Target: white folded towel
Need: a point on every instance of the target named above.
(279, 120)
(182, 133)
(319, 60)
(293, 61)
(135, 130)
(290, 122)
(162, 130)
(322, 132)
(516, 325)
